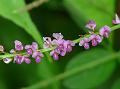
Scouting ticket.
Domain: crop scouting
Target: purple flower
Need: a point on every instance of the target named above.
(85, 42)
(63, 46)
(91, 25)
(7, 60)
(116, 20)
(34, 46)
(68, 45)
(105, 31)
(18, 45)
(60, 46)
(27, 60)
(58, 36)
(37, 56)
(95, 39)
(55, 53)
(47, 42)
(19, 59)
(31, 48)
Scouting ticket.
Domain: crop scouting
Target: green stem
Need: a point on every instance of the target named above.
(72, 72)
(49, 49)
(115, 27)
(7, 55)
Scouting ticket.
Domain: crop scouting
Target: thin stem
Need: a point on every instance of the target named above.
(52, 48)
(112, 29)
(72, 72)
(47, 49)
(7, 55)
(115, 27)
(30, 6)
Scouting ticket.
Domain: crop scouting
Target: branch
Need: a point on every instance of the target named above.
(30, 6)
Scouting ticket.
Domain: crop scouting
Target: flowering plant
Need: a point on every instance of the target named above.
(59, 44)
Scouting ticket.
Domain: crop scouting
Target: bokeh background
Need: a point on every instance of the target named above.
(69, 18)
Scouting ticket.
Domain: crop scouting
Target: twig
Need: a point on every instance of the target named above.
(30, 6)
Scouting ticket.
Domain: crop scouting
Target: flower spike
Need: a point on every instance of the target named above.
(58, 46)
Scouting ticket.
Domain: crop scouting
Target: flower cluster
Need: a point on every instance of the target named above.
(61, 45)
(94, 38)
(56, 45)
(31, 50)
(23, 53)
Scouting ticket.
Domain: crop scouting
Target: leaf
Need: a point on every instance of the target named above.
(82, 11)
(116, 85)
(8, 10)
(92, 77)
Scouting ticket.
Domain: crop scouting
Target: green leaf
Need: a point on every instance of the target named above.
(81, 11)
(116, 85)
(8, 10)
(92, 77)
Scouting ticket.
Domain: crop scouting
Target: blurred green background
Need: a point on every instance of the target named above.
(68, 17)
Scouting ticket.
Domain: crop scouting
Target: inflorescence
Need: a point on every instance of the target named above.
(57, 46)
